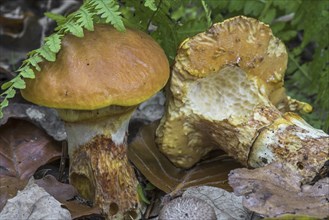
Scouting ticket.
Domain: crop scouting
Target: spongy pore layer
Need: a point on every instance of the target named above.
(211, 112)
(222, 94)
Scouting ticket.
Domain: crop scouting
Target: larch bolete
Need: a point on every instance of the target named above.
(95, 84)
(226, 91)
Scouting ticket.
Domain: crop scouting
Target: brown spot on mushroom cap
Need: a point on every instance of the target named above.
(245, 42)
(105, 67)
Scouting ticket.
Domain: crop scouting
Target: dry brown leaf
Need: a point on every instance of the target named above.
(23, 149)
(78, 210)
(34, 203)
(60, 191)
(144, 154)
(275, 190)
(64, 193)
(9, 187)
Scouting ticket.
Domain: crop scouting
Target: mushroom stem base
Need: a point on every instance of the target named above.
(99, 166)
(101, 172)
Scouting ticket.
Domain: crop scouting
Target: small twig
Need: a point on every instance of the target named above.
(63, 161)
(149, 208)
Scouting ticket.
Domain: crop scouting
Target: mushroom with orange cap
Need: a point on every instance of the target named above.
(95, 84)
(226, 88)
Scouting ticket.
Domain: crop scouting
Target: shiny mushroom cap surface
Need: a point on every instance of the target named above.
(105, 67)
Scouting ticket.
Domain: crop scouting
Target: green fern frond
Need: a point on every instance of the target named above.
(46, 53)
(54, 42)
(109, 10)
(27, 73)
(85, 18)
(208, 13)
(73, 28)
(75, 23)
(59, 19)
(150, 4)
(34, 60)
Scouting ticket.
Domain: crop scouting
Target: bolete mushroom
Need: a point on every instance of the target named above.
(226, 90)
(95, 84)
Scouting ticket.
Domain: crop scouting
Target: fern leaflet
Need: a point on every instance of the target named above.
(75, 23)
(110, 11)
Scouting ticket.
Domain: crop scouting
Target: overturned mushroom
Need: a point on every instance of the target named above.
(95, 84)
(226, 92)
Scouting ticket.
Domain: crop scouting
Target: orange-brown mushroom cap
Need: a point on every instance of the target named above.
(105, 67)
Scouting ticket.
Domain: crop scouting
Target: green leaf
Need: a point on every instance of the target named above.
(85, 18)
(208, 13)
(74, 29)
(54, 42)
(19, 83)
(149, 187)
(253, 7)
(10, 93)
(109, 10)
(236, 5)
(34, 60)
(27, 72)
(150, 4)
(141, 194)
(6, 85)
(4, 104)
(46, 53)
(60, 19)
(288, 35)
(269, 16)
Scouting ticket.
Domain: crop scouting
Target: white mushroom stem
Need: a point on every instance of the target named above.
(99, 167)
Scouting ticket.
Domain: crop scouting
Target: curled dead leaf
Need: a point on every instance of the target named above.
(60, 191)
(65, 193)
(145, 155)
(78, 210)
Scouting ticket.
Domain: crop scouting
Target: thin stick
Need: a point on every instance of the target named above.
(63, 161)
